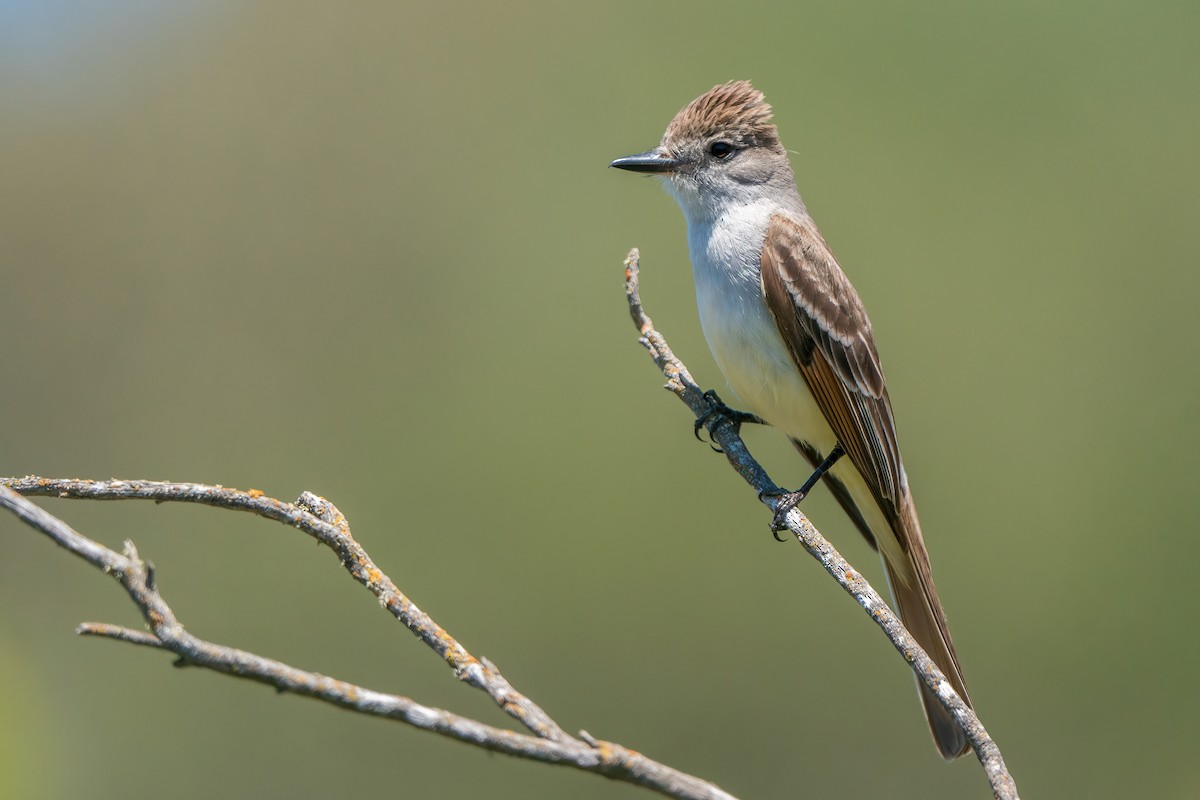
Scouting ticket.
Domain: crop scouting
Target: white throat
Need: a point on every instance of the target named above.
(725, 242)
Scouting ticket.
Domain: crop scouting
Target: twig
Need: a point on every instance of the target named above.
(550, 744)
(680, 382)
(321, 520)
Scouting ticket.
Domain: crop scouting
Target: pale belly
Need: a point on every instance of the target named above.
(758, 368)
(751, 354)
(757, 365)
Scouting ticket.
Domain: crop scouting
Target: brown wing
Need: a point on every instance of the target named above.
(826, 328)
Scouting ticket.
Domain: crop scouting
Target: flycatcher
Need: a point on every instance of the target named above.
(793, 340)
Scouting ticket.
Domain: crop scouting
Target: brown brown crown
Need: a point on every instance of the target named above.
(735, 109)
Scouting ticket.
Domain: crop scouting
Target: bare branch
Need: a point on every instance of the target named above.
(551, 745)
(321, 520)
(106, 630)
(681, 383)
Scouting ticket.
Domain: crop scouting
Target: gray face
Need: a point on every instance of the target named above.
(721, 153)
(720, 161)
(718, 171)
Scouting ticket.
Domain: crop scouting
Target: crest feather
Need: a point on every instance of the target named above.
(734, 109)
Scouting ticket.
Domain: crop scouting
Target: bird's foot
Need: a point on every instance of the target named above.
(719, 414)
(789, 500)
(786, 502)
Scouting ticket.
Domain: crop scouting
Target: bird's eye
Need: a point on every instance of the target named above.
(721, 150)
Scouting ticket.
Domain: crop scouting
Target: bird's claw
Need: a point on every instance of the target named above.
(787, 501)
(719, 414)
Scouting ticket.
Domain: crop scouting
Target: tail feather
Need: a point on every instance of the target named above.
(921, 612)
(913, 593)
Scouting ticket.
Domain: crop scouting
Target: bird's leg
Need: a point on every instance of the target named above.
(789, 500)
(719, 414)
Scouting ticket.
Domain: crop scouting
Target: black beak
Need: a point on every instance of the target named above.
(649, 161)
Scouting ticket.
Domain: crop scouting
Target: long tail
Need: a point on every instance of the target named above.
(914, 597)
(917, 603)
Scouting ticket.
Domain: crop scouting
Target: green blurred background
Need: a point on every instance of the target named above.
(373, 250)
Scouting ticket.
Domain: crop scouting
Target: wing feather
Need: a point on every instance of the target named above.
(824, 324)
(827, 331)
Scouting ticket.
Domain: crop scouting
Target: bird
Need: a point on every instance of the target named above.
(792, 338)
